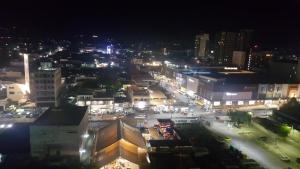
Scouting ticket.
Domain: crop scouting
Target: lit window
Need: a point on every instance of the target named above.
(217, 103)
(251, 102)
(240, 102)
(228, 103)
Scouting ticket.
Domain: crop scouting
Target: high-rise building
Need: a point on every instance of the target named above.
(244, 40)
(201, 45)
(224, 46)
(239, 58)
(259, 59)
(46, 84)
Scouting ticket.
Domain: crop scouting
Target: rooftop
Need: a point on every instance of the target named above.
(116, 131)
(15, 139)
(67, 115)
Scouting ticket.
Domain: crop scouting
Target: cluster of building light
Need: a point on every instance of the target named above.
(230, 94)
(6, 126)
(230, 68)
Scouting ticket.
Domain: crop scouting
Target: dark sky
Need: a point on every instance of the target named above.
(276, 23)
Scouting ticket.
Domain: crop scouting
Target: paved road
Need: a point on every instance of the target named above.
(259, 154)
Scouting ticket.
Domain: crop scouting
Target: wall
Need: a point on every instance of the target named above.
(48, 139)
(15, 92)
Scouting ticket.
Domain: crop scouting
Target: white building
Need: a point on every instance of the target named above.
(59, 132)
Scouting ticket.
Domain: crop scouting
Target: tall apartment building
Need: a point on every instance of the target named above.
(225, 43)
(46, 84)
(201, 45)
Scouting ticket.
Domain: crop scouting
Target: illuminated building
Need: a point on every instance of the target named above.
(201, 45)
(26, 71)
(123, 145)
(46, 84)
(109, 49)
(16, 92)
(59, 131)
(259, 59)
(239, 58)
(225, 45)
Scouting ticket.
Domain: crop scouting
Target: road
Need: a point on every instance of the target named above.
(265, 158)
(258, 153)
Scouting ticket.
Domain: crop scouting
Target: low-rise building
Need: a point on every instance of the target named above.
(120, 144)
(59, 132)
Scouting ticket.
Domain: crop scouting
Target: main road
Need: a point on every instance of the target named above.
(248, 147)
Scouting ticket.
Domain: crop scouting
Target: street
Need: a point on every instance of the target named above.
(266, 156)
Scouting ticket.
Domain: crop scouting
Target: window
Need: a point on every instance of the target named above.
(11, 92)
(217, 103)
(240, 102)
(228, 103)
(251, 102)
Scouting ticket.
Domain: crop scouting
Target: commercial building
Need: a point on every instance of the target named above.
(46, 85)
(16, 92)
(201, 45)
(120, 145)
(140, 97)
(157, 97)
(244, 88)
(103, 102)
(59, 132)
(224, 45)
(231, 87)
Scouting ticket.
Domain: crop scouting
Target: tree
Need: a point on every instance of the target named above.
(240, 117)
(284, 130)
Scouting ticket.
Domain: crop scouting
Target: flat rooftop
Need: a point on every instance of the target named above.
(247, 78)
(66, 115)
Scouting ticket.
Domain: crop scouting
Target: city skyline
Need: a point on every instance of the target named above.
(275, 24)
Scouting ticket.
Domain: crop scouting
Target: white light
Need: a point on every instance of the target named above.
(251, 102)
(240, 102)
(2, 125)
(217, 103)
(230, 68)
(231, 94)
(26, 70)
(190, 93)
(211, 51)
(85, 135)
(82, 151)
(228, 103)
(191, 80)
(141, 105)
(9, 125)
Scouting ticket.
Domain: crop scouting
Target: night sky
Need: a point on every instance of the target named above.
(276, 23)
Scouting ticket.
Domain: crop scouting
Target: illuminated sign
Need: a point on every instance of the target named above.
(231, 94)
(230, 68)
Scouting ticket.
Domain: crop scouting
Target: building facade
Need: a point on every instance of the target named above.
(46, 85)
(201, 45)
(59, 132)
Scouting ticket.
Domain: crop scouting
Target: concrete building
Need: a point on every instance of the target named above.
(16, 92)
(59, 132)
(224, 45)
(140, 98)
(201, 45)
(157, 97)
(239, 58)
(46, 85)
